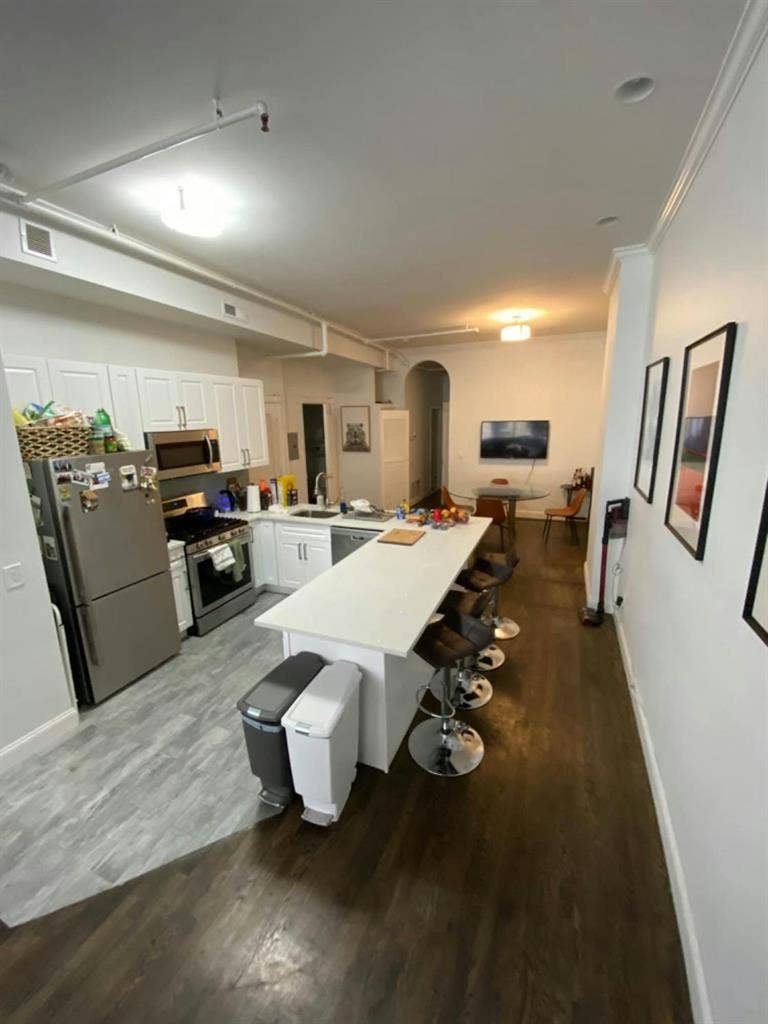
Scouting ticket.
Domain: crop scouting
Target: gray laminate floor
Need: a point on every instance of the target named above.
(157, 771)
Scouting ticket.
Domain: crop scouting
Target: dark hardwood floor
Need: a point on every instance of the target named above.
(532, 891)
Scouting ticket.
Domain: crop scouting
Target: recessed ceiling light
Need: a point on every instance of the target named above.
(192, 213)
(515, 332)
(605, 221)
(634, 89)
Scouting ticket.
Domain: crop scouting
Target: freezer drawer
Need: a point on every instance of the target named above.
(127, 633)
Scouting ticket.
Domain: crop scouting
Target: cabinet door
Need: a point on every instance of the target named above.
(290, 560)
(254, 423)
(81, 385)
(181, 598)
(160, 404)
(126, 408)
(266, 552)
(27, 379)
(317, 556)
(195, 399)
(227, 418)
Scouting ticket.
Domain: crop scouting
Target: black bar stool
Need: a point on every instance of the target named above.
(487, 574)
(461, 610)
(442, 745)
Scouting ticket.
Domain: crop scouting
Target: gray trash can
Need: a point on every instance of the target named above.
(261, 710)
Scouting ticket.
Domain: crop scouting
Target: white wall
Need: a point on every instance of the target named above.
(699, 673)
(37, 323)
(35, 703)
(556, 378)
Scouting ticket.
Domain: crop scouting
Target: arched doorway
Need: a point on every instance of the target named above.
(427, 399)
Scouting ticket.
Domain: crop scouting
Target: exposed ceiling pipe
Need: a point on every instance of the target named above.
(322, 351)
(10, 199)
(431, 334)
(258, 109)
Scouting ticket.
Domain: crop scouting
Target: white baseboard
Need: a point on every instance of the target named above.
(40, 739)
(588, 585)
(702, 1011)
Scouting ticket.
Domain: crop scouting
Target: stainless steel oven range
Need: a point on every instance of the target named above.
(220, 581)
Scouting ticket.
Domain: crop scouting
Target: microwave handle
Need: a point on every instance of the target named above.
(210, 449)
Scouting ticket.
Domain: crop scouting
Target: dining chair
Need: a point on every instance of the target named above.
(448, 502)
(495, 509)
(568, 514)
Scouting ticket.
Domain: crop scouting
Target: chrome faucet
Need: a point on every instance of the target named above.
(322, 497)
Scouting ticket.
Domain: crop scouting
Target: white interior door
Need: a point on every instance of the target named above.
(393, 430)
(195, 399)
(27, 380)
(254, 422)
(126, 408)
(160, 405)
(226, 415)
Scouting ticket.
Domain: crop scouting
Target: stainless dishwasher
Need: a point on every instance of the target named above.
(345, 540)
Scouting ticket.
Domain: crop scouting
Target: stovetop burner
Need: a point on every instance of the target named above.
(192, 528)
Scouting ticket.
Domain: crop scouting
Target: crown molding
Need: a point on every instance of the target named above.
(618, 256)
(748, 38)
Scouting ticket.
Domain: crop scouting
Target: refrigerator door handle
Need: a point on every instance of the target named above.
(77, 572)
(89, 637)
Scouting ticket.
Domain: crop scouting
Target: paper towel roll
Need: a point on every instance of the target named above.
(253, 502)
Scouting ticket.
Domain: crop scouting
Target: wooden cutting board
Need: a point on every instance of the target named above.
(406, 537)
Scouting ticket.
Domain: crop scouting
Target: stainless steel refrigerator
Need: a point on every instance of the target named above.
(103, 542)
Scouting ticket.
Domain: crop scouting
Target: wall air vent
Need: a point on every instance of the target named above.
(229, 309)
(36, 240)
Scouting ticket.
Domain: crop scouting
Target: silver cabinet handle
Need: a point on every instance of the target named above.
(184, 411)
(249, 455)
(299, 547)
(178, 415)
(305, 553)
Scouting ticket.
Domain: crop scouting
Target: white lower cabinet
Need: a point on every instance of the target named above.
(303, 552)
(181, 596)
(264, 554)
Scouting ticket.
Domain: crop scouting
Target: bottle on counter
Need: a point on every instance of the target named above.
(343, 506)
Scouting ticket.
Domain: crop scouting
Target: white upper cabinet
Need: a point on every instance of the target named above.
(173, 400)
(27, 379)
(254, 437)
(194, 391)
(226, 407)
(82, 386)
(158, 396)
(126, 408)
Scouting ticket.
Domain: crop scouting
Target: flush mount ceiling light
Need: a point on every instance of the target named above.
(515, 332)
(192, 213)
(605, 222)
(634, 90)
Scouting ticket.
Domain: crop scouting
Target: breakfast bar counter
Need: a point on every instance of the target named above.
(370, 609)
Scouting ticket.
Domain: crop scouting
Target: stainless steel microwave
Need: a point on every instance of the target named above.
(185, 452)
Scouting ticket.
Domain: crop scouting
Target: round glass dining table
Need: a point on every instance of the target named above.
(511, 493)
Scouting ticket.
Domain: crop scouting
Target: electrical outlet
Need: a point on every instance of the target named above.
(13, 576)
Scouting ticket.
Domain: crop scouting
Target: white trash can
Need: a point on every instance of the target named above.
(322, 731)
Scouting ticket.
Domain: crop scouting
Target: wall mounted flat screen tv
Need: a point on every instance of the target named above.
(514, 439)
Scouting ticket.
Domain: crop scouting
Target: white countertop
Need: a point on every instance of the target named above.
(284, 515)
(382, 595)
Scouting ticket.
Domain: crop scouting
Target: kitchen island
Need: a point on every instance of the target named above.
(370, 609)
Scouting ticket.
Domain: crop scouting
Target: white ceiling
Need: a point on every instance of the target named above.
(429, 161)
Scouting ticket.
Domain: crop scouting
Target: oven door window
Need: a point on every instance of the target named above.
(212, 587)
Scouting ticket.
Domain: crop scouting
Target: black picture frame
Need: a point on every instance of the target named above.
(696, 543)
(662, 366)
(758, 565)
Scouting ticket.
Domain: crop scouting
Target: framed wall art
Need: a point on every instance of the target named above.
(654, 393)
(355, 428)
(703, 397)
(756, 603)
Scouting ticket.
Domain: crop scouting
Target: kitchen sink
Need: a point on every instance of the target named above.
(314, 513)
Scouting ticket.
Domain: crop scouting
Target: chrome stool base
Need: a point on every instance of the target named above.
(490, 658)
(505, 628)
(456, 750)
(472, 690)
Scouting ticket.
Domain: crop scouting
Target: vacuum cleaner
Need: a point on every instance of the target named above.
(614, 525)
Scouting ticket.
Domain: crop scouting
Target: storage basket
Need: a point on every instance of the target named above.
(52, 442)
